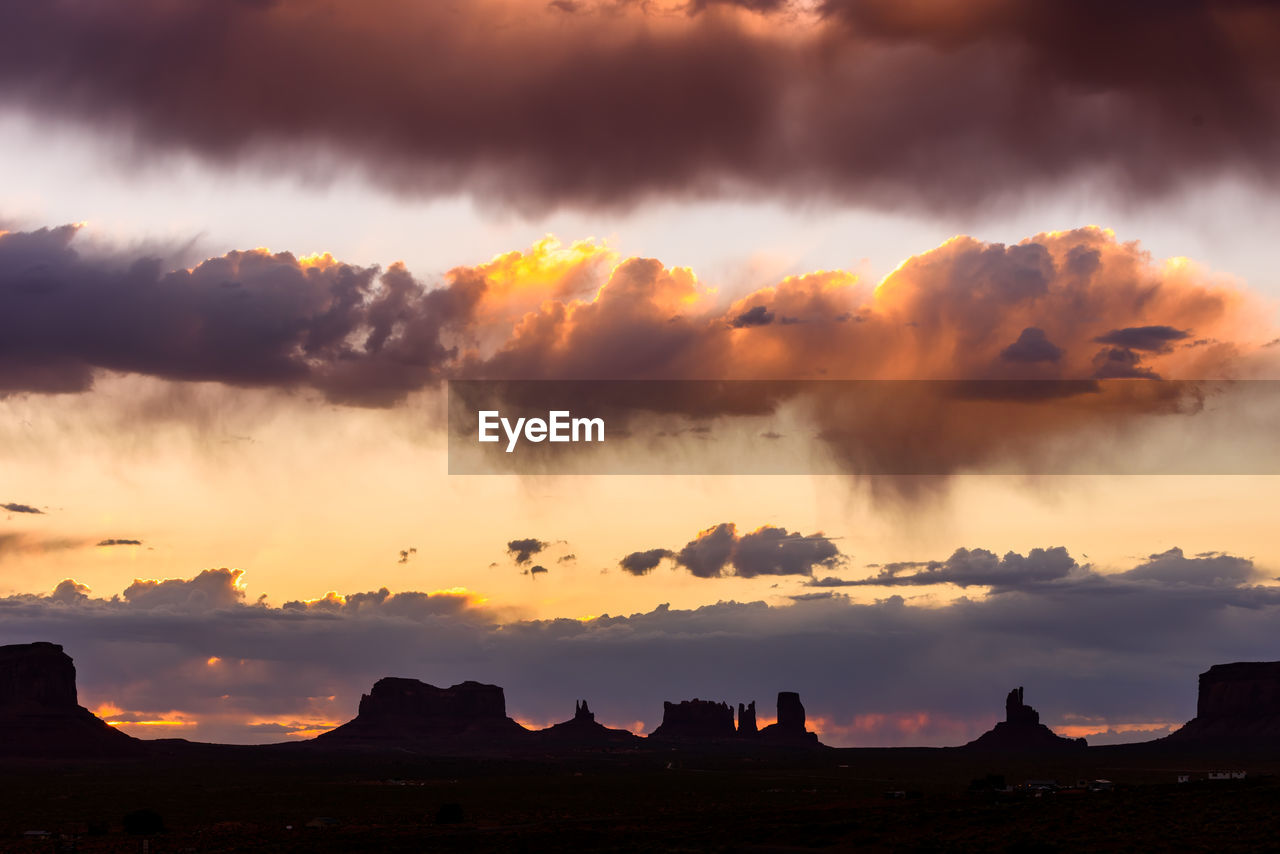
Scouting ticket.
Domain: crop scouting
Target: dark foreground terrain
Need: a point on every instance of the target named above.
(228, 799)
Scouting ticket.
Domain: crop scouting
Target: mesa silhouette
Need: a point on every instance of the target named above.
(1237, 705)
(40, 716)
(40, 712)
(1022, 732)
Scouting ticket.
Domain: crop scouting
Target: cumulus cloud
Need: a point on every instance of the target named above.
(1116, 648)
(1007, 317)
(935, 105)
(212, 588)
(1070, 307)
(523, 550)
(359, 335)
(406, 605)
(70, 591)
(721, 551)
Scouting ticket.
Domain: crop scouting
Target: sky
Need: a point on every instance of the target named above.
(246, 247)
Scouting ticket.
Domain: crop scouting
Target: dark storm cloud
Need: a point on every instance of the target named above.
(1157, 339)
(755, 316)
(721, 551)
(641, 563)
(1117, 363)
(522, 551)
(1032, 346)
(1123, 646)
(21, 508)
(940, 104)
(246, 318)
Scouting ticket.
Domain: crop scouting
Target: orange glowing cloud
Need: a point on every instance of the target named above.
(1059, 305)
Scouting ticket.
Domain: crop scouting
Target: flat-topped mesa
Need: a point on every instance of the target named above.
(1022, 732)
(747, 719)
(1240, 700)
(408, 710)
(40, 714)
(695, 719)
(37, 676)
(790, 727)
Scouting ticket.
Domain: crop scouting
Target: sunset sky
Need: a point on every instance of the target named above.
(244, 246)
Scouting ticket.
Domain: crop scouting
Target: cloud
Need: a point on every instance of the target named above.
(1157, 339)
(405, 554)
(721, 551)
(21, 508)
(406, 605)
(212, 588)
(363, 336)
(935, 106)
(357, 334)
(976, 567)
(1114, 649)
(524, 550)
(1212, 569)
(1031, 346)
(641, 563)
(1114, 363)
(119, 542)
(536, 570)
(1041, 570)
(757, 315)
(69, 591)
